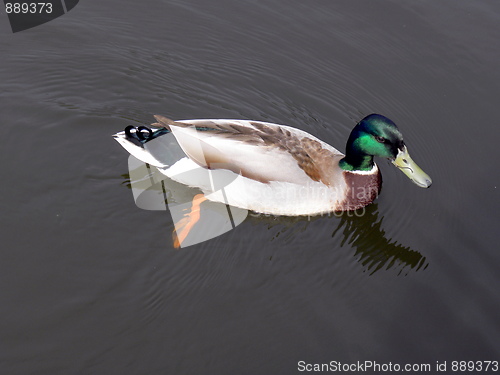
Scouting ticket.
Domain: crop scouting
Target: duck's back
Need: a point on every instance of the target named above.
(261, 151)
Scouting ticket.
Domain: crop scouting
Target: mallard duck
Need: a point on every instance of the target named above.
(275, 169)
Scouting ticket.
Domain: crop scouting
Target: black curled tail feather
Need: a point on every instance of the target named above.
(139, 135)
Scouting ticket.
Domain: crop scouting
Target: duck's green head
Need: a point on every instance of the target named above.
(376, 135)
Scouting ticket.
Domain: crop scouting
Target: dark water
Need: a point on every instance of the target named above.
(90, 284)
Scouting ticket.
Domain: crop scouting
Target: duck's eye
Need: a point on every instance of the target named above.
(380, 139)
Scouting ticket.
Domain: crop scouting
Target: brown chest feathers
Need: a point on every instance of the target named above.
(361, 190)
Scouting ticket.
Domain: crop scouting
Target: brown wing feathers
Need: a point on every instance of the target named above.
(307, 152)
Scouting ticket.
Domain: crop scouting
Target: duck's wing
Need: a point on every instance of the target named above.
(258, 150)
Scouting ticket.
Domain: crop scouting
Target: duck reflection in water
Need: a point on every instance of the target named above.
(363, 231)
(374, 249)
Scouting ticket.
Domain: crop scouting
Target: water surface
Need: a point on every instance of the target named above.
(92, 284)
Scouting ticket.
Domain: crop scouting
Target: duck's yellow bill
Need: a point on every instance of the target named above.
(405, 163)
